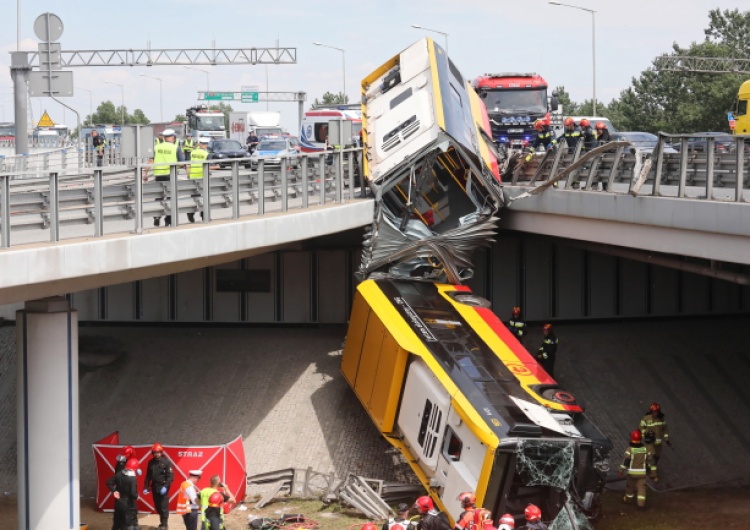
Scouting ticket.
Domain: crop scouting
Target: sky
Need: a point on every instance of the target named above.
(483, 36)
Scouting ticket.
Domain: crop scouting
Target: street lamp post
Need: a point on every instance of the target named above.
(593, 47)
(343, 60)
(208, 86)
(443, 33)
(161, 96)
(122, 100)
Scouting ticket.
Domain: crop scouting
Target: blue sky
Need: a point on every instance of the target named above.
(484, 36)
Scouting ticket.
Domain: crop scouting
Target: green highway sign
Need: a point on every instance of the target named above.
(249, 97)
(219, 96)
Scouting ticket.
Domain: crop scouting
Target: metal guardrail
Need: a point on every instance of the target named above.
(63, 201)
(702, 166)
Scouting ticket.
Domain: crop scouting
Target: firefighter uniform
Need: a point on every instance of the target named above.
(654, 431)
(548, 352)
(589, 138)
(518, 327)
(571, 137)
(637, 464)
(545, 138)
(126, 511)
(159, 477)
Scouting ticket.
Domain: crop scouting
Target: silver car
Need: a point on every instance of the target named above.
(273, 149)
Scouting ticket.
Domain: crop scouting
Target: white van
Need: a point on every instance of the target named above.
(314, 130)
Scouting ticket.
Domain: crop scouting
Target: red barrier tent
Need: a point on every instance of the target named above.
(227, 461)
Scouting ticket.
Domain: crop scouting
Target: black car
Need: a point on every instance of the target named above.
(225, 150)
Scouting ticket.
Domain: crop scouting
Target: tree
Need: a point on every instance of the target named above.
(332, 99)
(731, 28)
(569, 107)
(139, 117)
(107, 114)
(180, 117)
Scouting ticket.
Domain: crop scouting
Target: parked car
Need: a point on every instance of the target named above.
(224, 150)
(725, 143)
(272, 149)
(644, 142)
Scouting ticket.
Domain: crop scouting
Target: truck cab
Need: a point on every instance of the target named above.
(203, 122)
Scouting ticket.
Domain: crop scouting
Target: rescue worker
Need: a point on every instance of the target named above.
(544, 137)
(213, 515)
(124, 488)
(506, 522)
(167, 152)
(483, 519)
(430, 518)
(589, 136)
(516, 324)
(206, 493)
(638, 464)
(196, 170)
(127, 453)
(571, 135)
(400, 522)
(602, 133)
(188, 500)
(188, 144)
(534, 518)
(369, 526)
(468, 502)
(98, 143)
(654, 430)
(159, 477)
(548, 350)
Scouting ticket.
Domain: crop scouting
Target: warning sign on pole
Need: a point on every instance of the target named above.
(45, 121)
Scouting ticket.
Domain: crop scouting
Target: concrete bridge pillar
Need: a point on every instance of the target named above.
(48, 459)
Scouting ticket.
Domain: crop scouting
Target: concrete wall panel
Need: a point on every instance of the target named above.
(332, 291)
(665, 291)
(507, 286)
(155, 299)
(121, 302)
(225, 306)
(602, 278)
(296, 286)
(261, 307)
(696, 294)
(634, 289)
(536, 256)
(87, 305)
(191, 291)
(569, 282)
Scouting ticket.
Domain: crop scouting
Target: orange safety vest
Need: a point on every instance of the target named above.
(183, 501)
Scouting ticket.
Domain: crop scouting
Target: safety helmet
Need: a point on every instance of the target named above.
(547, 327)
(532, 512)
(157, 448)
(516, 311)
(424, 504)
(216, 499)
(507, 520)
(505, 527)
(467, 499)
(584, 123)
(128, 451)
(655, 407)
(601, 125)
(570, 122)
(539, 125)
(132, 464)
(369, 526)
(636, 437)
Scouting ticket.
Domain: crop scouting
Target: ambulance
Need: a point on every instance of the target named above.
(314, 129)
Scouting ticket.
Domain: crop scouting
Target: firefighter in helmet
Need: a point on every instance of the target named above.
(545, 137)
(638, 464)
(571, 135)
(589, 136)
(430, 518)
(506, 522)
(469, 504)
(548, 350)
(654, 430)
(534, 518)
(516, 324)
(602, 133)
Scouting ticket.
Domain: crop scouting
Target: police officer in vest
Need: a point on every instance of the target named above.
(196, 171)
(165, 153)
(401, 521)
(188, 144)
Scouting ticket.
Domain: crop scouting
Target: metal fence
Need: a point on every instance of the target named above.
(56, 204)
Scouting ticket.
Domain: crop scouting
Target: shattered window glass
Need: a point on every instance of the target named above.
(545, 462)
(563, 522)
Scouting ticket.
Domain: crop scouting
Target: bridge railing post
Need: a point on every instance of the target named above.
(710, 160)
(339, 196)
(173, 198)
(261, 186)
(98, 204)
(54, 207)
(206, 191)
(305, 182)
(235, 189)
(138, 199)
(5, 220)
(322, 170)
(284, 183)
(740, 162)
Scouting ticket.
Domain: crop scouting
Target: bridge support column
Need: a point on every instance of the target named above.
(48, 459)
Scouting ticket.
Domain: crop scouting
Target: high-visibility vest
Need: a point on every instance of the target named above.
(164, 153)
(196, 170)
(188, 144)
(183, 500)
(205, 494)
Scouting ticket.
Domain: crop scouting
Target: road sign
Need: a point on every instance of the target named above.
(219, 96)
(60, 84)
(249, 97)
(45, 121)
(48, 27)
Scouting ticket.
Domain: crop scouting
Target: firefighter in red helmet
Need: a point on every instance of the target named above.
(430, 518)
(124, 488)
(602, 133)
(571, 134)
(159, 477)
(589, 136)
(534, 518)
(545, 137)
(547, 352)
(516, 324)
(506, 522)
(469, 503)
(399, 522)
(638, 464)
(213, 515)
(654, 430)
(127, 453)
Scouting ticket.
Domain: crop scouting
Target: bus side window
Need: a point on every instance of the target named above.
(452, 446)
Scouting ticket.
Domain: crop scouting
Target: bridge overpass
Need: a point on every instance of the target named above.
(79, 231)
